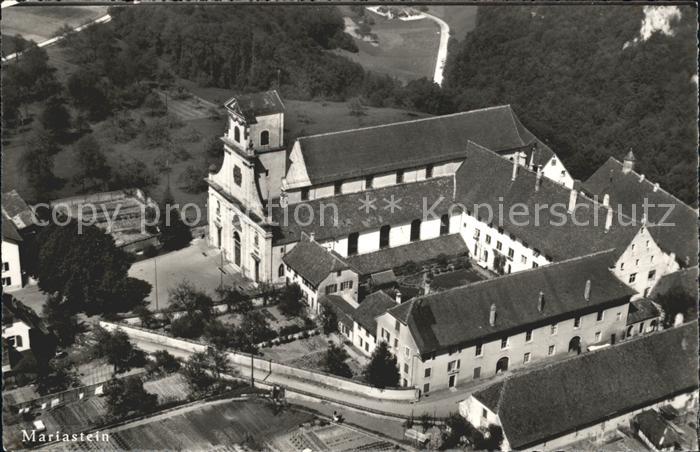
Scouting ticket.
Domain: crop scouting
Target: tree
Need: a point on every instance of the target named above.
(90, 92)
(235, 301)
(61, 320)
(185, 297)
(290, 300)
(116, 347)
(55, 117)
(37, 163)
(154, 103)
(334, 361)
(219, 363)
(127, 395)
(356, 107)
(95, 288)
(174, 233)
(491, 440)
(59, 377)
(329, 320)
(218, 334)
(146, 316)
(196, 373)
(256, 328)
(382, 370)
(91, 163)
(163, 362)
(192, 179)
(677, 301)
(190, 326)
(459, 432)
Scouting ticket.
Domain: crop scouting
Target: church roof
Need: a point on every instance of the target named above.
(593, 387)
(415, 143)
(459, 317)
(256, 104)
(9, 231)
(629, 192)
(340, 215)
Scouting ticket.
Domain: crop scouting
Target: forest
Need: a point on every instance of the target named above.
(572, 80)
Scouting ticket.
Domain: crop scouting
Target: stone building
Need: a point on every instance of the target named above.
(592, 395)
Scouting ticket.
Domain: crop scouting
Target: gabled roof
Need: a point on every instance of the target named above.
(653, 425)
(458, 317)
(642, 309)
(485, 180)
(388, 147)
(374, 304)
(423, 250)
(9, 231)
(256, 104)
(685, 279)
(629, 192)
(362, 211)
(590, 388)
(14, 310)
(313, 261)
(17, 210)
(343, 310)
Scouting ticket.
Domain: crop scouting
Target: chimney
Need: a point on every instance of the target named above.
(515, 167)
(572, 200)
(641, 178)
(608, 219)
(492, 315)
(628, 163)
(532, 161)
(312, 236)
(540, 302)
(656, 187)
(606, 200)
(587, 290)
(398, 297)
(538, 180)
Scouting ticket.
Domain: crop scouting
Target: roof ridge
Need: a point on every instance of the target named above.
(337, 132)
(653, 184)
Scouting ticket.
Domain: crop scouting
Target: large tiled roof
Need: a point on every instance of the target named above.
(460, 316)
(9, 231)
(485, 180)
(13, 309)
(14, 207)
(313, 261)
(629, 192)
(373, 305)
(352, 216)
(419, 142)
(685, 279)
(590, 388)
(256, 104)
(448, 245)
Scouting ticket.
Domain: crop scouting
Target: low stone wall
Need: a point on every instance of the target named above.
(267, 366)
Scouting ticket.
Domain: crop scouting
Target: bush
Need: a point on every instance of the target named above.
(190, 326)
(290, 329)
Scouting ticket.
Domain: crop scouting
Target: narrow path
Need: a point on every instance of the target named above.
(100, 20)
(442, 50)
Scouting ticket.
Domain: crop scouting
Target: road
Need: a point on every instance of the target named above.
(440, 403)
(442, 50)
(100, 20)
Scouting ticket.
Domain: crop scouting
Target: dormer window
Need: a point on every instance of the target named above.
(399, 177)
(338, 188)
(369, 181)
(429, 171)
(304, 194)
(264, 138)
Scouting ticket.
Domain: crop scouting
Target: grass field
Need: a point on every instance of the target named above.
(39, 23)
(461, 18)
(407, 50)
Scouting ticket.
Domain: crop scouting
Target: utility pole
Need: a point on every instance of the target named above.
(155, 273)
(252, 370)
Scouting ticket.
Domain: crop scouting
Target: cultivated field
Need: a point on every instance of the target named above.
(407, 50)
(39, 23)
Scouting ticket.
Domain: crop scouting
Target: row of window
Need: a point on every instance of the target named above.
(650, 276)
(264, 136)
(7, 281)
(385, 232)
(333, 288)
(499, 244)
(6, 266)
(636, 262)
(369, 183)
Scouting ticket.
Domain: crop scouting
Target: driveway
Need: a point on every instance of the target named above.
(198, 263)
(442, 50)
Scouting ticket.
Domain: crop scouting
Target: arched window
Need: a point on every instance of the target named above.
(280, 271)
(415, 230)
(384, 236)
(236, 133)
(237, 249)
(502, 365)
(264, 138)
(575, 345)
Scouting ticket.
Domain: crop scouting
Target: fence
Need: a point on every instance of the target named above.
(269, 367)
